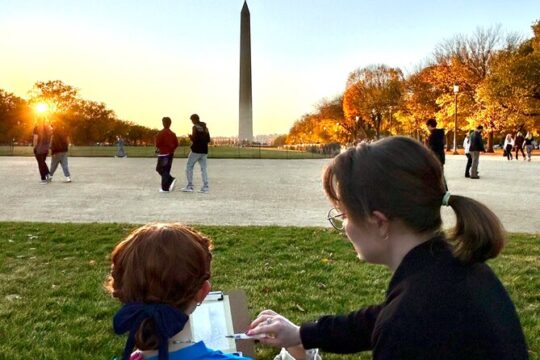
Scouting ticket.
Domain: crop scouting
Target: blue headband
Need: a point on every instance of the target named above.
(168, 321)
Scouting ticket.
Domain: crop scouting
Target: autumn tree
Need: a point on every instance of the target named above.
(60, 97)
(470, 59)
(320, 127)
(513, 87)
(372, 94)
(88, 122)
(15, 123)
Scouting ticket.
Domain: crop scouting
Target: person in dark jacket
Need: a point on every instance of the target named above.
(443, 300)
(477, 145)
(59, 151)
(518, 145)
(166, 144)
(42, 142)
(435, 140)
(200, 137)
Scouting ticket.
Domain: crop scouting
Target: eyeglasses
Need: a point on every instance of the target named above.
(336, 218)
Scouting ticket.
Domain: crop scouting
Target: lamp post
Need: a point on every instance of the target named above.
(456, 90)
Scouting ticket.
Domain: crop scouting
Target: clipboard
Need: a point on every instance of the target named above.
(223, 314)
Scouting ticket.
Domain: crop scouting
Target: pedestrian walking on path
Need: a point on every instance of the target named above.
(518, 144)
(120, 151)
(42, 142)
(477, 146)
(59, 151)
(508, 146)
(466, 147)
(166, 144)
(200, 137)
(528, 144)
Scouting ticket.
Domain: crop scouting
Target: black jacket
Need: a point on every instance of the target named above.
(435, 308)
(476, 142)
(200, 137)
(436, 143)
(59, 142)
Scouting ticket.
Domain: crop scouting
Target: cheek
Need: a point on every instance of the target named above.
(354, 234)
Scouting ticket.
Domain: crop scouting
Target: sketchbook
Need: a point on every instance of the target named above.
(219, 315)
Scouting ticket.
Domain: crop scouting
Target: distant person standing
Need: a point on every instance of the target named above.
(435, 140)
(477, 145)
(528, 144)
(508, 146)
(41, 142)
(59, 151)
(120, 152)
(166, 144)
(518, 144)
(466, 147)
(200, 137)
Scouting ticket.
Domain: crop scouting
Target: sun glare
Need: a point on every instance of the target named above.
(42, 108)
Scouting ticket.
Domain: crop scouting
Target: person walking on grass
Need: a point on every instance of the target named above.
(466, 147)
(477, 145)
(200, 137)
(529, 145)
(443, 300)
(166, 144)
(59, 151)
(41, 142)
(518, 144)
(508, 146)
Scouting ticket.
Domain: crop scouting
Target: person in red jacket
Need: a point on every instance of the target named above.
(166, 143)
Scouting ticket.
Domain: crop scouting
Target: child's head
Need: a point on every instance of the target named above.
(160, 264)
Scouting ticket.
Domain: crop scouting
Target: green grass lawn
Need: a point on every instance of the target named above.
(53, 306)
(234, 152)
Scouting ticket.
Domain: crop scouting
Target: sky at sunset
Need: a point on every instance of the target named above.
(149, 59)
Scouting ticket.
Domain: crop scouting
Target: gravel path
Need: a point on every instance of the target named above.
(242, 192)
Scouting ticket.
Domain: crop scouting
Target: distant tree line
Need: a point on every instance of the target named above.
(490, 78)
(87, 122)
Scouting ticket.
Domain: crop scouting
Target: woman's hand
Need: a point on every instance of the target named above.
(275, 330)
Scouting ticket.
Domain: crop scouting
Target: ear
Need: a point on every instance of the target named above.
(382, 222)
(203, 291)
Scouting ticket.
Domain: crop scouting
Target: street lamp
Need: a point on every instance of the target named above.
(456, 90)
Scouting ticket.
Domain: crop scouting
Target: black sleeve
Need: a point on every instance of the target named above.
(342, 334)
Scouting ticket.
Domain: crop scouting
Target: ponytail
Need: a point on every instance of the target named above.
(478, 234)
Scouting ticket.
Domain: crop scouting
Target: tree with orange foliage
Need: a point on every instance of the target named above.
(371, 95)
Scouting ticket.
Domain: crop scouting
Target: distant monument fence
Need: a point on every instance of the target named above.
(232, 151)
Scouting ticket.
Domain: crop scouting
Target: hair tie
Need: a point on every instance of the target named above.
(445, 198)
(168, 321)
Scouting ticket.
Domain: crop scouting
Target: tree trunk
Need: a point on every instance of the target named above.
(490, 142)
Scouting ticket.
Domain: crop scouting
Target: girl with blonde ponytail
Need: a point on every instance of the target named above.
(443, 301)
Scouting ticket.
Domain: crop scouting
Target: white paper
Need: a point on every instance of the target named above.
(211, 322)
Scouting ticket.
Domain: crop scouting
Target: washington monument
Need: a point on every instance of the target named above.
(245, 123)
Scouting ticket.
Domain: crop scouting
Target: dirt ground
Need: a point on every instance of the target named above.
(242, 192)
